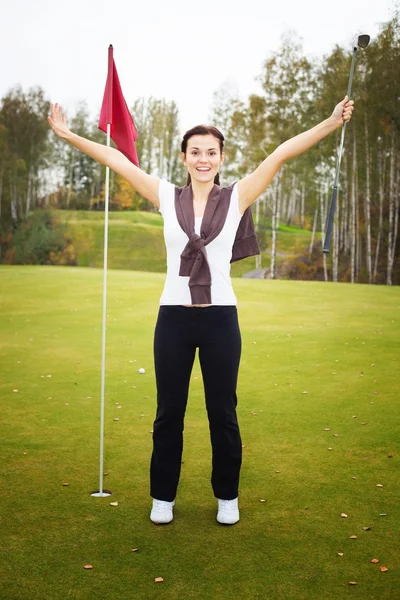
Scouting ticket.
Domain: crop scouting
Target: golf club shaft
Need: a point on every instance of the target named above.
(331, 214)
(332, 207)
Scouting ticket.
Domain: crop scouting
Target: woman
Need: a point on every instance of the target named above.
(205, 228)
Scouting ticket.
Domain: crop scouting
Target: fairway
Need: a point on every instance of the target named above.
(319, 415)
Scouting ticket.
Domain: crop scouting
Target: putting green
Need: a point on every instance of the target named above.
(319, 415)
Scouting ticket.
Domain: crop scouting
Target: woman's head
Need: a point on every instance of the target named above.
(202, 153)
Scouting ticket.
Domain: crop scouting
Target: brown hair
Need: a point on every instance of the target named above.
(203, 130)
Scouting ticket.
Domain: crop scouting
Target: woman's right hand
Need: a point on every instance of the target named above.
(58, 122)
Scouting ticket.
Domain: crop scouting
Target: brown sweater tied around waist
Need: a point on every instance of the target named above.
(194, 261)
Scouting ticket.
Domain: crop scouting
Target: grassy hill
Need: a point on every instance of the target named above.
(136, 241)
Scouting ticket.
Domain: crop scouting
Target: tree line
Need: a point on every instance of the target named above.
(39, 171)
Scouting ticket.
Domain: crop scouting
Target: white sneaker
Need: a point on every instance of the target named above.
(228, 512)
(162, 511)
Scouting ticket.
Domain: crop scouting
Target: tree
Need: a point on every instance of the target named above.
(158, 143)
(24, 133)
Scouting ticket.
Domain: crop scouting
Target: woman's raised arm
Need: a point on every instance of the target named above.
(252, 186)
(145, 184)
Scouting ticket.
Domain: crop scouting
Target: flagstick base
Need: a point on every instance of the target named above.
(103, 494)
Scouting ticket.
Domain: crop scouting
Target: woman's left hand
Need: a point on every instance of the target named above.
(343, 111)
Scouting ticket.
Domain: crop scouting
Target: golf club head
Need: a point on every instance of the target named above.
(363, 41)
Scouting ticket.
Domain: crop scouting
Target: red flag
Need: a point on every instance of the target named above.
(114, 110)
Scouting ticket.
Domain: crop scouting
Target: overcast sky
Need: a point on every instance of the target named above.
(178, 49)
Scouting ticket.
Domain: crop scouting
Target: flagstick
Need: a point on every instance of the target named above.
(109, 92)
(101, 493)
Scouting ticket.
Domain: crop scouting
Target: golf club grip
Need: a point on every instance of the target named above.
(329, 223)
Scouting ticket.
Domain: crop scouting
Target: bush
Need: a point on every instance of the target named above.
(305, 267)
(42, 240)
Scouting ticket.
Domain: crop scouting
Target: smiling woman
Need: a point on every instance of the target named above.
(206, 227)
(204, 154)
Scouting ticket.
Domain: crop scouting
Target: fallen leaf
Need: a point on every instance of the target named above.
(383, 569)
(159, 580)
(87, 567)
(135, 549)
(375, 560)
(113, 503)
(353, 537)
(344, 515)
(340, 554)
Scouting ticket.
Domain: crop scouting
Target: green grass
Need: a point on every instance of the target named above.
(337, 342)
(136, 241)
(291, 239)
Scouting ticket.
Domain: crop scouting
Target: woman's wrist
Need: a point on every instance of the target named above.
(69, 136)
(332, 123)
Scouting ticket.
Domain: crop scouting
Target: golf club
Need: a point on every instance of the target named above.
(362, 42)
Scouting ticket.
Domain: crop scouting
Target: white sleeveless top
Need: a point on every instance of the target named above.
(219, 252)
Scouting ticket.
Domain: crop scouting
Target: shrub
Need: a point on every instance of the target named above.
(41, 240)
(305, 267)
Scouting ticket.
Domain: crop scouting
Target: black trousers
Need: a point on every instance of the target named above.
(179, 331)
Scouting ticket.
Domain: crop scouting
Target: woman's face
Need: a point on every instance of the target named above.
(203, 157)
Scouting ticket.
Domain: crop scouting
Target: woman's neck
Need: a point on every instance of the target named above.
(201, 191)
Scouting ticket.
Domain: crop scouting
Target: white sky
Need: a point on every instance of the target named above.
(174, 49)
